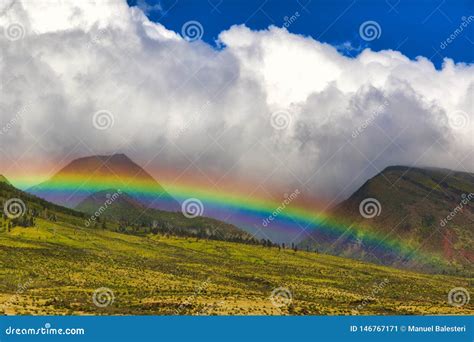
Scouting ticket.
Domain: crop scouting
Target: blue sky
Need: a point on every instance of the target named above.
(414, 27)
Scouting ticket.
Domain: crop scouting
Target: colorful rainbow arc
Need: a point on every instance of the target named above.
(244, 208)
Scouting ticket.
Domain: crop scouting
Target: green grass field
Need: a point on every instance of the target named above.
(54, 268)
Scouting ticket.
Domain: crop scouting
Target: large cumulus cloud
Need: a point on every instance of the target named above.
(268, 107)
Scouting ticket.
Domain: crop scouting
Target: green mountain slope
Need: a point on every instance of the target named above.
(3, 179)
(124, 215)
(133, 217)
(29, 207)
(414, 205)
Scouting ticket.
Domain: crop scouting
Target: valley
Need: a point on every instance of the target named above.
(55, 268)
(96, 249)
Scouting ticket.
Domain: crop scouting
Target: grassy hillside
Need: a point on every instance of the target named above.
(132, 217)
(54, 268)
(35, 207)
(124, 215)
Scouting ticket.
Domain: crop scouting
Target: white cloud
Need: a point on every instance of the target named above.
(177, 98)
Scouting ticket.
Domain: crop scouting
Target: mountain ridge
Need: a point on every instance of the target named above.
(409, 204)
(132, 216)
(101, 172)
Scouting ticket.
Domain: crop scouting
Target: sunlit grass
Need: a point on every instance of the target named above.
(62, 266)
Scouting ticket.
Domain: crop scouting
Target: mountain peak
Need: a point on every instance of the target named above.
(106, 158)
(101, 172)
(116, 157)
(120, 156)
(397, 168)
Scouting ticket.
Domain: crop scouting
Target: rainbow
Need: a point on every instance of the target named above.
(249, 212)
